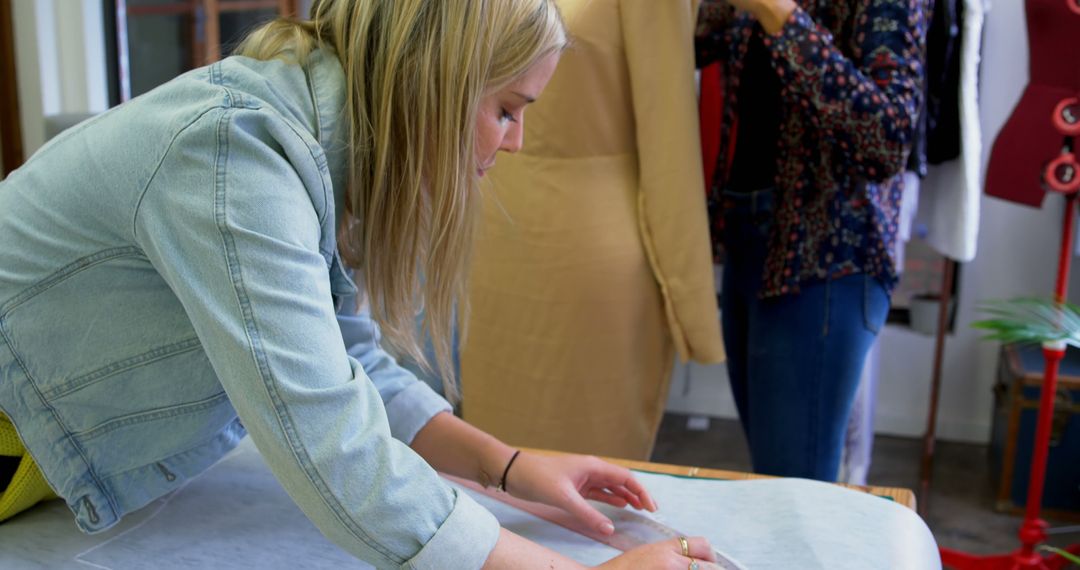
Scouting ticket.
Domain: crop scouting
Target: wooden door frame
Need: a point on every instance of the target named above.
(11, 145)
(204, 33)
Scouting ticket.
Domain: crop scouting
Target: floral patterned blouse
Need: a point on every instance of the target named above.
(851, 74)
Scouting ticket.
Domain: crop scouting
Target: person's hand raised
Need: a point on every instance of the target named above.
(771, 13)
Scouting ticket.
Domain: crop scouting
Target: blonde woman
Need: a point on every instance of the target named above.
(175, 275)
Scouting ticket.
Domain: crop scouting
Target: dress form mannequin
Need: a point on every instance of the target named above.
(1045, 124)
(592, 269)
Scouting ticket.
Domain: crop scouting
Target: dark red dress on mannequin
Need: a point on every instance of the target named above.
(1031, 138)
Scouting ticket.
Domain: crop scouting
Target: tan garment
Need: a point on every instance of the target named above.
(593, 264)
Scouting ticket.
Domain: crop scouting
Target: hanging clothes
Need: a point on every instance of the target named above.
(937, 136)
(593, 266)
(711, 111)
(943, 67)
(950, 194)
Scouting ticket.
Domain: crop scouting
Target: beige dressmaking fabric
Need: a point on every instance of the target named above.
(593, 265)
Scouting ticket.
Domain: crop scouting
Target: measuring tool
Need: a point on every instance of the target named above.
(633, 530)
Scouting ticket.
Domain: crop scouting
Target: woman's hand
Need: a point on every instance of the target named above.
(452, 446)
(513, 551)
(771, 13)
(665, 555)
(566, 481)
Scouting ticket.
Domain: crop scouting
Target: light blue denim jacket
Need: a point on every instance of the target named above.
(169, 281)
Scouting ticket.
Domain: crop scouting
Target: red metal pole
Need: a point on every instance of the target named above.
(1033, 531)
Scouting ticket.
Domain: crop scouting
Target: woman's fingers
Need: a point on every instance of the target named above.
(699, 548)
(605, 496)
(612, 477)
(634, 500)
(579, 507)
(616, 495)
(633, 486)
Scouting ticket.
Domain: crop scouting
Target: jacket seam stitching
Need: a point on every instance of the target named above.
(315, 104)
(151, 415)
(107, 371)
(68, 435)
(161, 161)
(254, 339)
(159, 459)
(231, 102)
(321, 164)
(328, 197)
(66, 271)
(236, 101)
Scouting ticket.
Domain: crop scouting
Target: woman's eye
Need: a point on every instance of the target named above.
(506, 116)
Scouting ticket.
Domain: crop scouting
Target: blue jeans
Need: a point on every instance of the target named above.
(794, 361)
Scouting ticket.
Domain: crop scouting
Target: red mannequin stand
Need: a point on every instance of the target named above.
(1033, 530)
(1029, 148)
(1061, 175)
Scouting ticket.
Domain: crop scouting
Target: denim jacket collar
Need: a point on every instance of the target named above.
(327, 87)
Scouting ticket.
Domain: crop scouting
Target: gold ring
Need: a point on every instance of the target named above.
(685, 546)
(693, 565)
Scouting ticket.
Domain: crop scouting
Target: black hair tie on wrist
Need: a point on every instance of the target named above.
(502, 482)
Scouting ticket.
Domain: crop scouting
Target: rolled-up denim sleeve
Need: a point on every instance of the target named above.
(238, 233)
(410, 403)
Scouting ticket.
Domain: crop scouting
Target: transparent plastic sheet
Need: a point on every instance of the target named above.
(236, 515)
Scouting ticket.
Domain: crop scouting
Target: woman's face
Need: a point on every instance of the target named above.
(501, 116)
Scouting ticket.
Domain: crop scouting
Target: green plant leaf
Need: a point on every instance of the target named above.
(1062, 553)
(1030, 320)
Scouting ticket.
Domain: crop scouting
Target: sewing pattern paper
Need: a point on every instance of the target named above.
(235, 515)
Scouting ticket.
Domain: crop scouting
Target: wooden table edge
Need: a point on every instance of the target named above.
(899, 494)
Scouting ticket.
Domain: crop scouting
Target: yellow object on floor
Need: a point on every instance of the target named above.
(27, 487)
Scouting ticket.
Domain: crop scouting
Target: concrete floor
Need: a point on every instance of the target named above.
(961, 501)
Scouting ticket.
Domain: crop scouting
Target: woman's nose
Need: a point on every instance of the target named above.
(513, 139)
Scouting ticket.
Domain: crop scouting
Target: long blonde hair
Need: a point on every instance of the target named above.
(415, 71)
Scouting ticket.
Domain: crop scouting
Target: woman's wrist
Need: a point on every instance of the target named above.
(773, 14)
(513, 551)
(494, 457)
(454, 447)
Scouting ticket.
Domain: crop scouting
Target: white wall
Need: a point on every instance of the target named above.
(60, 60)
(1017, 254)
(28, 69)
